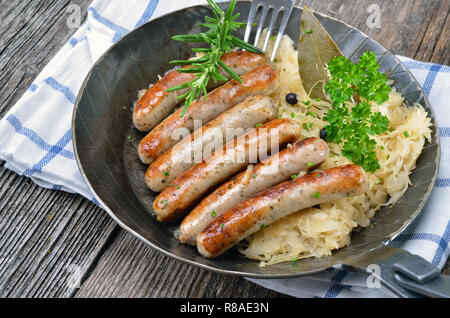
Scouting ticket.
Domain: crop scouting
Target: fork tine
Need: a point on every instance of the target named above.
(276, 7)
(251, 18)
(283, 25)
(265, 10)
(273, 19)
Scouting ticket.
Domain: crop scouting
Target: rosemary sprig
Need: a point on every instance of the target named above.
(220, 40)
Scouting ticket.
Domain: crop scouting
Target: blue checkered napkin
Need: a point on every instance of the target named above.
(35, 137)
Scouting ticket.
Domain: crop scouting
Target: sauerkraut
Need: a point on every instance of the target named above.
(316, 232)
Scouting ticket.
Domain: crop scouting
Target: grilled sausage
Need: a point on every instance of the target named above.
(156, 103)
(303, 155)
(273, 204)
(187, 189)
(262, 80)
(182, 156)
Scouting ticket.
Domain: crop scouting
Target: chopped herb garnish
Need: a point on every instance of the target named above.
(220, 40)
(317, 99)
(129, 137)
(213, 213)
(171, 185)
(263, 226)
(310, 164)
(222, 225)
(382, 147)
(295, 259)
(275, 60)
(284, 69)
(258, 125)
(316, 194)
(166, 173)
(177, 187)
(292, 115)
(308, 31)
(165, 202)
(388, 156)
(307, 126)
(306, 102)
(253, 175)
(273, 38)
(293, 176)
(406, 134)
(311, 114)
(353, 126)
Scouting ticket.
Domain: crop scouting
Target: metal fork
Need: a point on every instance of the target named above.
(276, 7)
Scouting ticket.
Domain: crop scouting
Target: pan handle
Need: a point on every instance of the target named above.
(404, 274)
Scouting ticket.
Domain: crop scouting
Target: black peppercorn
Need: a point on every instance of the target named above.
(291, 98)
(323, 133)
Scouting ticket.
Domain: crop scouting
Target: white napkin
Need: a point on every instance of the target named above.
(36, 140)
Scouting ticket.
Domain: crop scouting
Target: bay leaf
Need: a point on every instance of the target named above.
(315, 49)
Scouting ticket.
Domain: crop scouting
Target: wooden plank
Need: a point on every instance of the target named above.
(129, 268)
(414, 28)
(48, 236)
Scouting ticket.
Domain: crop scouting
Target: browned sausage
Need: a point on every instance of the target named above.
(175, 201)
(275, 203)
(254, 110)
(303, 155)
(262, 80)
(156, 103)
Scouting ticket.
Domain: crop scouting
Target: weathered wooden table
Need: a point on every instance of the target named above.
(49, 238)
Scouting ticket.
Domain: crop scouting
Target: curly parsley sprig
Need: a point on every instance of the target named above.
(208, 66)
(353, 126)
